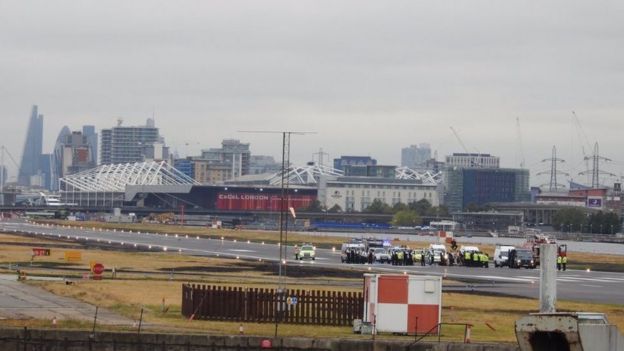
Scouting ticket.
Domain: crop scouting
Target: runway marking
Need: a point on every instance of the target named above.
(493, 277)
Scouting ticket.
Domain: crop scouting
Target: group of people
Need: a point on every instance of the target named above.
(359, 256)
(476, 259)
(406, 257)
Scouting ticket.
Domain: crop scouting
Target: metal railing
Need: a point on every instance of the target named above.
(438, 328)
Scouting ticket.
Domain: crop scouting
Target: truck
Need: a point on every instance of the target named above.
(501, 255)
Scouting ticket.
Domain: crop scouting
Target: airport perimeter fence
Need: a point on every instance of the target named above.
(238, 304)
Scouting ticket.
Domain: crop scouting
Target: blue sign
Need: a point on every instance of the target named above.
(594, 202)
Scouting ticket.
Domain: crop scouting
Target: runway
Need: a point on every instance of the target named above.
(600, 287)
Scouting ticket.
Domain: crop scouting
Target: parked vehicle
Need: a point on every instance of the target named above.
(438, 254)
(381, 255)
(521, 258)
(501, 255)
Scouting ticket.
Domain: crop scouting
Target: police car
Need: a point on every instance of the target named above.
(307, 251)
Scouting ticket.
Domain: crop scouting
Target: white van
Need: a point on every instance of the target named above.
(437, 254)
(501, 255)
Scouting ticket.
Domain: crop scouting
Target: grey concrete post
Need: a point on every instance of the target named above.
(548, 278)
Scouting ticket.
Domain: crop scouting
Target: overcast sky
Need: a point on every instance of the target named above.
(369, 77)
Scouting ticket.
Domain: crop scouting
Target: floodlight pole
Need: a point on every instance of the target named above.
(284, 201)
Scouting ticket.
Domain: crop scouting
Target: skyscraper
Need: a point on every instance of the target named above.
(72, 154)
(415, 156)
(122, 144)
(232, 160)
(31, 157)
(92, 140)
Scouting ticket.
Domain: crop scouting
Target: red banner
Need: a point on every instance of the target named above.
(36, 251)
(260, 202)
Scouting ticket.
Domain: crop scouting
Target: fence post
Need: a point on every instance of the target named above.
(467, 333)
(416, 329)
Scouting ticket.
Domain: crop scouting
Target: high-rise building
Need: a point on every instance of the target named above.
(57, 157)
(186, 166)
(92, 140)
(465, 160)
(45, 174)
(415, 156)
(124, 144)
(233, 156)
(3, 175)
(480, 186)
(259, 164)
(344, 161)
(72, 154)
(376, 171)
(30, 165)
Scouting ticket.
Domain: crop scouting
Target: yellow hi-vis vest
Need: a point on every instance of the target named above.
(559, 259)
(564, 259)
(467, 256)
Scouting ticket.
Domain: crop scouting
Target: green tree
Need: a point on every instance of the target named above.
(569, 219)
(335, 209)
(378, 206)
(439, 211)
(406, 218)
(315, 206)
(399, 206)
(604, 223)
(422, 206)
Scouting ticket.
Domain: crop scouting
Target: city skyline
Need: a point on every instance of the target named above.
(202, 148)
(206, 71)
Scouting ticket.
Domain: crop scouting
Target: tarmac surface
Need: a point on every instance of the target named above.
(22, 301)
(577, 285)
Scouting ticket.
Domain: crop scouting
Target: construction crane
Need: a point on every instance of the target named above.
(459, 140)
(584, 141)
(476, 162)
(520, 142)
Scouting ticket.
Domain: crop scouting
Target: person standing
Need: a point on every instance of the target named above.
(564, 262)
(422, 259)
(559, 260)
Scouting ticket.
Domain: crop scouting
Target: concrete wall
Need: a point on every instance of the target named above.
(56, 340)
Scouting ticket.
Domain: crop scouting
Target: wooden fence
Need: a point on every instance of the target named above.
(262, 305)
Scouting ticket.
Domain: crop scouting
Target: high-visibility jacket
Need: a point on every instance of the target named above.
(467, 256)
(564, 259)
(400, 255)
(484, 258)
(559, 259)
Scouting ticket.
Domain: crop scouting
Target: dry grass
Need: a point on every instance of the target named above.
(500, 313)
(137, 289)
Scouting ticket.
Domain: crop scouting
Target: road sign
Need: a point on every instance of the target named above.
(37, 251)
(97, 270)
(73, 256)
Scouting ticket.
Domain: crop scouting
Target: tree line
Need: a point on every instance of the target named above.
(577, 220)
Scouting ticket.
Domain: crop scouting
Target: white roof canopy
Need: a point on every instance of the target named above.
(115, 177)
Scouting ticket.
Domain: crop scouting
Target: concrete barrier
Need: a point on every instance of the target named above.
(59, 340)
